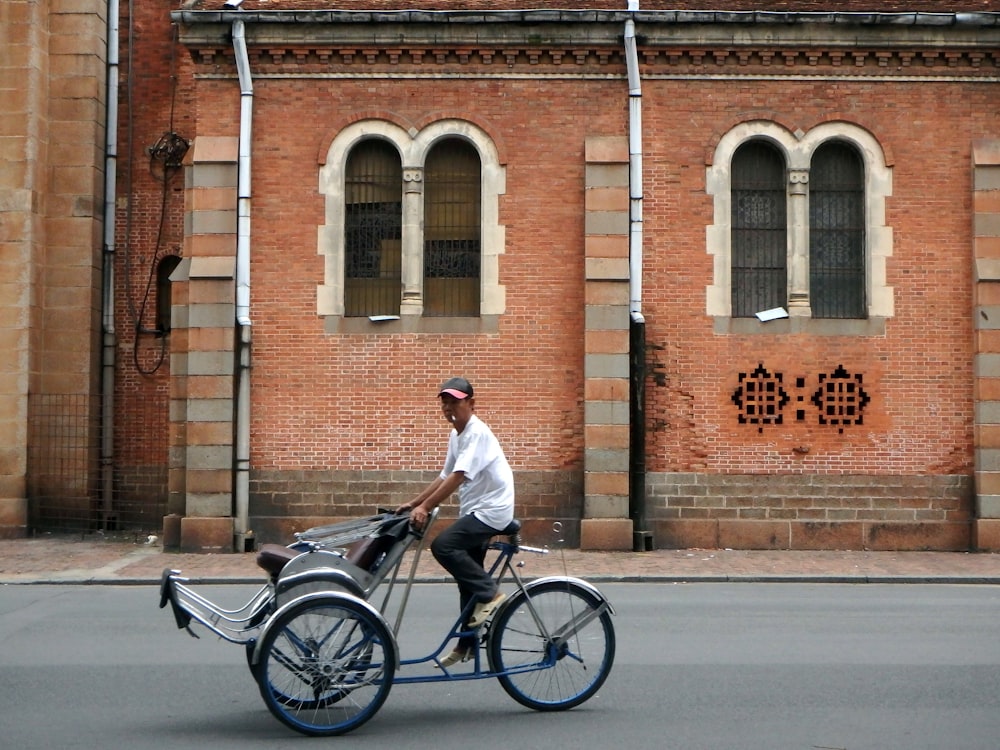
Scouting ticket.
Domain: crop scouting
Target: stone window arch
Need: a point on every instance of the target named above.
(865, 312)
(416, 311)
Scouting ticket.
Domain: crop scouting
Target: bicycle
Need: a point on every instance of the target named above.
(325, 657)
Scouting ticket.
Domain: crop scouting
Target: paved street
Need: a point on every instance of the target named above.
(699, 666)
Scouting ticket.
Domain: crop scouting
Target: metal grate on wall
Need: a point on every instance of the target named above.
(65, 488)
(63, 471)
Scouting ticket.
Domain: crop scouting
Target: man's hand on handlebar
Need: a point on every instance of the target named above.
(418, 515)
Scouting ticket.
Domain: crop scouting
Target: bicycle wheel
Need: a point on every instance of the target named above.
(251, 647)
(326, 665)
(564, 669)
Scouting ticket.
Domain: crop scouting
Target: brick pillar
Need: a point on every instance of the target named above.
(202, 393)
(986, 312)
(606, 524)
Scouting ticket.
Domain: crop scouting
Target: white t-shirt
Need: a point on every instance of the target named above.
(488, 489)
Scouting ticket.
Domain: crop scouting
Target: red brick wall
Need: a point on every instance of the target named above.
(155, 95)
(338, 402)
(917, 375)
(342, 403)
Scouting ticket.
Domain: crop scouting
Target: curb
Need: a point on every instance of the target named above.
(60, 580)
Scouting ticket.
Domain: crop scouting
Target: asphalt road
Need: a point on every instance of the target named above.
(769, 666)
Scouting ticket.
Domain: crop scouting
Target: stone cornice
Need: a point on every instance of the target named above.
(690, 61)
(671, 42)
(479, 17)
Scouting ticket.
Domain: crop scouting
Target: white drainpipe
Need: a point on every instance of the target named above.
(642, 539)
(108, 344)
(241, 491)
(635, 168)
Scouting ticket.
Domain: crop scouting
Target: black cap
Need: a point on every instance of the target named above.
(456, 387)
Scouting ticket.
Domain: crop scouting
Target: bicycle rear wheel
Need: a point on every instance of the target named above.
(565, 668)
(326, 665)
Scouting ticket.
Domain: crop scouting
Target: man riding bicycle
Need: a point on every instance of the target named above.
(475, 467)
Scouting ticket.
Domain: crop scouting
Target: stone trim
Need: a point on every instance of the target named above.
(606, 523)
(986, 322)
(202, 362)
(676, 42)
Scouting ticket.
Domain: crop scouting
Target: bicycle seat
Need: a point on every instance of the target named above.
(273, 557)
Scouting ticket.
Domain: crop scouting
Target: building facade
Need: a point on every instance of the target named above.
(722, 277)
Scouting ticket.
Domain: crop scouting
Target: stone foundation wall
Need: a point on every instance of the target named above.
(688, 510)
(283, 502)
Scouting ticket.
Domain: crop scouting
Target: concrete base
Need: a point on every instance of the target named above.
(938, 536)
(986, 535)
(606, 534)
(13, 517)
(205, 535)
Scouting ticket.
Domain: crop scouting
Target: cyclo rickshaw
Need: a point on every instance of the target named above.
(325, 655)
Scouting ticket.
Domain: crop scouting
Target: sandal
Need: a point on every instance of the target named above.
(459, 654)
(484, 610)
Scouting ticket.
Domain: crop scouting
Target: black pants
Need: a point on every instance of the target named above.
(461, 549)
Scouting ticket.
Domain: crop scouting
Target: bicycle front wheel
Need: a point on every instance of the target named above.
(326, 666)
(555, 652)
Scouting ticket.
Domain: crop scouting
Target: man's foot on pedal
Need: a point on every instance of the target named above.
(459, 654)
(484, 610)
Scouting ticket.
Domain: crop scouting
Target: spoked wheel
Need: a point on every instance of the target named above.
(251, 647)
(326, 665)
(568, 667)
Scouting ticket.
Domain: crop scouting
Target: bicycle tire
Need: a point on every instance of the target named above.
(326, 665)
(544, 674)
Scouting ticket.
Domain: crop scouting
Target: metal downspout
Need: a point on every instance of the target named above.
(635, 168)
(242, 535)
(641, 538)
(108, 343)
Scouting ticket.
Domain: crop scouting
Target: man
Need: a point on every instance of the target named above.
(476, 467)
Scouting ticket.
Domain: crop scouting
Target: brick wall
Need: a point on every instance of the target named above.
(155, 100)
(918, 419)
(328, 407)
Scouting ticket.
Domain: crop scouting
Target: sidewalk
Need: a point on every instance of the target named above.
(95, 559)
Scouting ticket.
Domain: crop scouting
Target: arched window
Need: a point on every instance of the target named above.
(452, 245)
(759, 229)
(799, 223)
(373, 206)
(412, 237)
(837, 232)
(164, 301)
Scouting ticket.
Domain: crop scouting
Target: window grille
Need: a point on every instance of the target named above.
(759, 230)
(373, 211)
(452, 248)
(836, 232)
